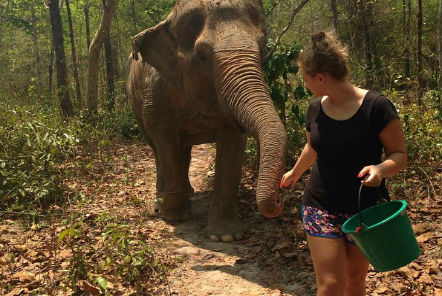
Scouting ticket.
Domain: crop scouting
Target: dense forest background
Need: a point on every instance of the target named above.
(63, 101)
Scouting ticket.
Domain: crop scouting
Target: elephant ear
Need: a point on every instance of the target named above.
(158, 48)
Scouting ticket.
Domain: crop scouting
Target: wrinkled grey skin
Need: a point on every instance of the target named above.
(197, 78)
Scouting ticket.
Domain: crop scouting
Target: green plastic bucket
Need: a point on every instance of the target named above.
(386, 237)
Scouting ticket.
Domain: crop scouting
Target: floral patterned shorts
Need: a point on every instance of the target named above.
(318, 222)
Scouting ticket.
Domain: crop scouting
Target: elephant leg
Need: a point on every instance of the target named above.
(173, 202)
(223, 214)
(160, 178)
(187, 156)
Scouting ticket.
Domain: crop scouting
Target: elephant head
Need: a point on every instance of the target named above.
(212, 51)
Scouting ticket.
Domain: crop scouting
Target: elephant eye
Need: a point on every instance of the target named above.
(201, 56)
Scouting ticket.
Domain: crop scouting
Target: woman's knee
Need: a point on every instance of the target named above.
(331, 286)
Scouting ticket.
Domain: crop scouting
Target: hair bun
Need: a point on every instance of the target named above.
(318, 39)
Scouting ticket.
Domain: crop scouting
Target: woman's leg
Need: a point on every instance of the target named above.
(357, 268)
(329, 256)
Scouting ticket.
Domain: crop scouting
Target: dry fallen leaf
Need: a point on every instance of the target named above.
(425, 237)
(24, 276)
(16, 291)
(290, 254)
(281, 246)
(420, 228)
(88, 287)
(381, 289)
(426, 279)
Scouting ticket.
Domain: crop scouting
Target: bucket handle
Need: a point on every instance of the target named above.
(361, 223)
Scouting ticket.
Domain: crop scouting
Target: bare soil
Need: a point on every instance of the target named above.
(119, 187)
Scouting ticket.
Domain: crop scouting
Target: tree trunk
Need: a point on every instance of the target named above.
(334, 8)
(134, 17)
(440, 46)
(405, 39)
(51, 70)
(35, 41)
(57, 37)
(74, 56)
(94, 52)
(379, 74)
(86, 18)
(367, 44)
(110, 94)
(119, 59)
(407, 44)
(419, 53)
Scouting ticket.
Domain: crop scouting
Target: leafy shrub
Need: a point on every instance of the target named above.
(35, 141)
(32, 145)
(128, 254)
(422, 126)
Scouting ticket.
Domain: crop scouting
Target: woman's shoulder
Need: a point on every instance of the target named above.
(315, 102)
(377, 100)
(314, 106)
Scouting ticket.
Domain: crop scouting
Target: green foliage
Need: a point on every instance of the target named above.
(278, 68)
(36, 141)
(422, 128)
(128, 255)
(32, 147)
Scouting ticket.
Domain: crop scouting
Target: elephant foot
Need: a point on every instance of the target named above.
(225, 231)
(174, 212)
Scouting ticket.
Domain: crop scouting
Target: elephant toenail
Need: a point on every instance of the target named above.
(226, 238)
(214, 238)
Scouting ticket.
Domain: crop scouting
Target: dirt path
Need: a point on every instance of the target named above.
(119, 189)
(248, 267)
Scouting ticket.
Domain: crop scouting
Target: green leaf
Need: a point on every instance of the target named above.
(63, 234)
(102, 283)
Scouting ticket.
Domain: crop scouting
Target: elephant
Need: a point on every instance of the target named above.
(197, 77)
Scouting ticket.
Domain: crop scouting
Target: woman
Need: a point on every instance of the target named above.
(348, 128)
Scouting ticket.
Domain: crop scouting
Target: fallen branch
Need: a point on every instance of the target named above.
(278, 39)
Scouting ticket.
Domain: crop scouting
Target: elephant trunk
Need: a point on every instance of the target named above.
(242, 92)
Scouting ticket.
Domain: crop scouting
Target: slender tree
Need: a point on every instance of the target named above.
(94, 52)
(110, 94)
(378, 70)
(440, 46)
(74, 55)
(419, 52)
(367, 44)
(407, 45)
(86, 18)
(51, 70)
(35, 40)
(60, 60)
(334, 8)
(134, 17)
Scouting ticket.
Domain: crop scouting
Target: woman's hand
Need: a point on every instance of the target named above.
(289, 178)
(372, 176)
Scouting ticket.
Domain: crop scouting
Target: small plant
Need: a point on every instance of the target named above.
(128, 255)
(77, 264)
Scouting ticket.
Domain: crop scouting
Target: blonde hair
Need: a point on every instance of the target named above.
(325, 55)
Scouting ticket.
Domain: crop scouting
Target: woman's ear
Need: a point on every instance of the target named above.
(320, 76)
(158, 48)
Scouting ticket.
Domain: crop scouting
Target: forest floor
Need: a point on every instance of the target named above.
(93, 240)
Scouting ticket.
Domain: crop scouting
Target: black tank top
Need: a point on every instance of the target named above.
(344, 147)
